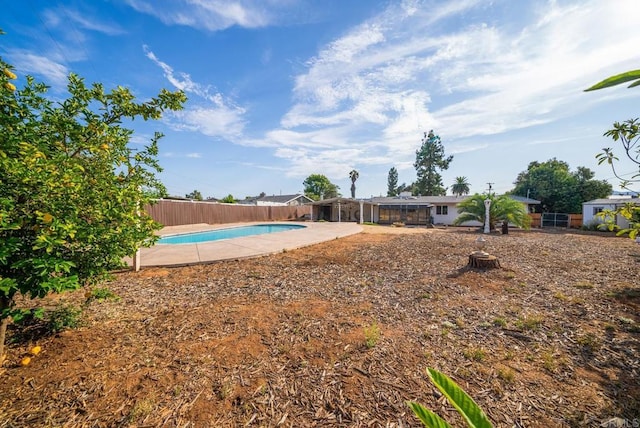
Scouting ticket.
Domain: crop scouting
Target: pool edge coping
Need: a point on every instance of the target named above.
(244, 247)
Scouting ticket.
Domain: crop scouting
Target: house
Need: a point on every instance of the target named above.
(408, 209)
(590, 209)
(529, 203)
(343, 209)
(444, 209)
(277, 200)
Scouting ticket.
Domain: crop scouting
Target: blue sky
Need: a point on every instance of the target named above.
(281, 89)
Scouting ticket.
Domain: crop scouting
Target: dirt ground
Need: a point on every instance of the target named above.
(340, 334)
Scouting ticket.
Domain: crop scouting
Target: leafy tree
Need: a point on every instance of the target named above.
(502, 208)
(353, 175)
(194, 195)
(72, 191)
(317, 186)
(392, 182)
(157, 193)
(557, 188)
(229, 199)
(460, 187)
(404, 187)
(627, 133)
(430, 158)
(588, 188)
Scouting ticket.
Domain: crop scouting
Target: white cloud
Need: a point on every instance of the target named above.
(420, 66)
(54, 73)
(181, 155)
(212, 15)
(217, 116)
(67, 18)
(218, 121)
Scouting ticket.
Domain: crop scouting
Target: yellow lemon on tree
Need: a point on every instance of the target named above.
(9, 74)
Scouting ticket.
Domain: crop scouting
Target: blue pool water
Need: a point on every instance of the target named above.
(232, 232)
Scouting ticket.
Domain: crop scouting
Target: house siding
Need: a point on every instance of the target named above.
(590, 208)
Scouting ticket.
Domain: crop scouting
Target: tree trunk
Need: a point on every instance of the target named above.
(483, 261)
(4, 304)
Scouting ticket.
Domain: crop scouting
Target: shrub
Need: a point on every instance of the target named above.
(101, 293)
(63, 318)
(371, 335)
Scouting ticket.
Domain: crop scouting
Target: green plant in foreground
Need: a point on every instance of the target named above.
(371, 335)
(63, 318)
(73, 189)
(469, 409)
(102, 293)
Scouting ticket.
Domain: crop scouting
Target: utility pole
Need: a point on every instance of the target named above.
(490, 187)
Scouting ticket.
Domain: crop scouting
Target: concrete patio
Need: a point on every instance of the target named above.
(240, 248)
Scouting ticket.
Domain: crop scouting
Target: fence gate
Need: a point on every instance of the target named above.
(555, 220)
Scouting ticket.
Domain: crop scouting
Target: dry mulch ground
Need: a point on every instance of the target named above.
(550, 339)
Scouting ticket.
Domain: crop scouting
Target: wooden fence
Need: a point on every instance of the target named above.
(574, 219)
(174, 213)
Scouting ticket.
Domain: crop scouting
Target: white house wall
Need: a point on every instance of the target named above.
(452, 214)
(588, 217)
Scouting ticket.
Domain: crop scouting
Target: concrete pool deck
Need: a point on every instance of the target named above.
(240, 248)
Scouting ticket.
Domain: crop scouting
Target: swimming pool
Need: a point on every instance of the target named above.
(229, 233)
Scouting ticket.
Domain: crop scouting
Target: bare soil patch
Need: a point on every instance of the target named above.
(550, 339)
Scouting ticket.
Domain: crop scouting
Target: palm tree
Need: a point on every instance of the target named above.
(502, 208)
(353, 175)
(460, 187)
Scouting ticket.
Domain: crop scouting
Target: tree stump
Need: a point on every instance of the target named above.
(483, 261)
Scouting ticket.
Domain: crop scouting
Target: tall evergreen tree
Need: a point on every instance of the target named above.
(430, 159)
(392, 182)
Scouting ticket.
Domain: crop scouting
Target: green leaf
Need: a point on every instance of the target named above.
(616, 80)
(634, 84)
(427, 417)
(470, 411)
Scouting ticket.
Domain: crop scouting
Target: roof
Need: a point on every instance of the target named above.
(612, 201)
(445, 199)
(411, 200)
(336, 200)
(283, 198)
(415, 200)
(280, 199)
(525, 200)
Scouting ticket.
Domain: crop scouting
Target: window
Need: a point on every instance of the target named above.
(597, 210)
(442, 209)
